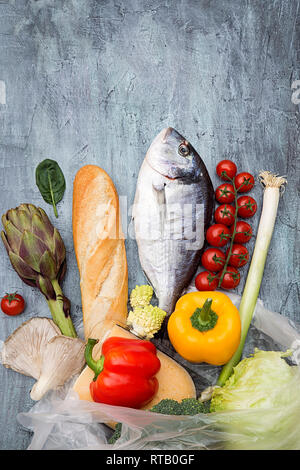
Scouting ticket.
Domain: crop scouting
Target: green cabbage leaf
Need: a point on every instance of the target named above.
(260, 403)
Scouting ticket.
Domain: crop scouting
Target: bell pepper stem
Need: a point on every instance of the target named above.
(61, 318)
(96, 366)
(204, 318)
(206, 310)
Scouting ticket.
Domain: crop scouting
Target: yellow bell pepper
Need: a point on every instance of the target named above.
(205, 327)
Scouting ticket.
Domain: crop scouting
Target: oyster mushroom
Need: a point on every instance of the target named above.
(22, 350)
(39, 350)
(62, 357)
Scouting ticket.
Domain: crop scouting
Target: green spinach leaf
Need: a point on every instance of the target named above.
(51, 182)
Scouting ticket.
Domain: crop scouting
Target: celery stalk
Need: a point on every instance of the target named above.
(272, 186)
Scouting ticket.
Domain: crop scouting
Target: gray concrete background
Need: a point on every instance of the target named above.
(94, 81)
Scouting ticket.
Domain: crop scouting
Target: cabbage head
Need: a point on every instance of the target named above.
(259, 405)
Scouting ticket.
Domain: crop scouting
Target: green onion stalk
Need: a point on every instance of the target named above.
(273, 185)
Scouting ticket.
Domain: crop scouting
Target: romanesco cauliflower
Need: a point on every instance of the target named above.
(146, 321)
(141, 296)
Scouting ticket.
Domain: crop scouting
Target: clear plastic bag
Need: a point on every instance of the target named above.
(61, 421)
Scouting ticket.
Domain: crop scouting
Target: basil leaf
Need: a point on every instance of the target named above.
(51, 182)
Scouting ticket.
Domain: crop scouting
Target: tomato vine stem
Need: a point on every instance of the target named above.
(224, 270)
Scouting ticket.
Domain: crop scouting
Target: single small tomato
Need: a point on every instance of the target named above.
(224, 214)
(12, 304)
(246, 207)
(243, 232)
(206, 281)
(231, 278)
(213, 259)
(244, 182)
(225, 193)
(218, 235)
(239, 255)
(226, 170)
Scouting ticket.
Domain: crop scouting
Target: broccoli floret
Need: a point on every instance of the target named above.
(167, 406)
(141, 296)
(192, 406)
(188, 406)
(116, 434)
(146, 321)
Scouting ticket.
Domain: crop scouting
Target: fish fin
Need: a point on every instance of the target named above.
(158, 185)
(149, 282)
(158, 182)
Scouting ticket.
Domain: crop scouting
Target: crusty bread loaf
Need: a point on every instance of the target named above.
(100, 251)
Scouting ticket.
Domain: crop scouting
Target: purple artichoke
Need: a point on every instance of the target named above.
(37, 253)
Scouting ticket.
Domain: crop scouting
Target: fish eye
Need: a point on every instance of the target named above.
(184, 149)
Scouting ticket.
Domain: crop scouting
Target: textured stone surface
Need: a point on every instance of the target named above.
(95, 81)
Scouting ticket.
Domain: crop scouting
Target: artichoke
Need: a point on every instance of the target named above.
(37, 253)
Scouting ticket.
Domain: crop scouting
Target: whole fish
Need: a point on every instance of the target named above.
(172, 209)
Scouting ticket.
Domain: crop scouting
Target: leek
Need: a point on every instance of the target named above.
(273, 185)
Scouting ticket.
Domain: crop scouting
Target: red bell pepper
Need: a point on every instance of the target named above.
(124, 374)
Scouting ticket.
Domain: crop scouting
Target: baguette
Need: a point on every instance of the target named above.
(100, 251)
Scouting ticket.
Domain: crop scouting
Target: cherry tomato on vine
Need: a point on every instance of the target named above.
(224, 214)
(12, 304)
(226, 169)
(213, 259)
(243, 232)
(206, 281)
(239, 255)
(225, 193)
(244, 182)
(246, 206)
(218, 235)
(231, 278)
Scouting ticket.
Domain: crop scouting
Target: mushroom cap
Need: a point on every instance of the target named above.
(22, 350)
(38, 349)
(62, 358)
